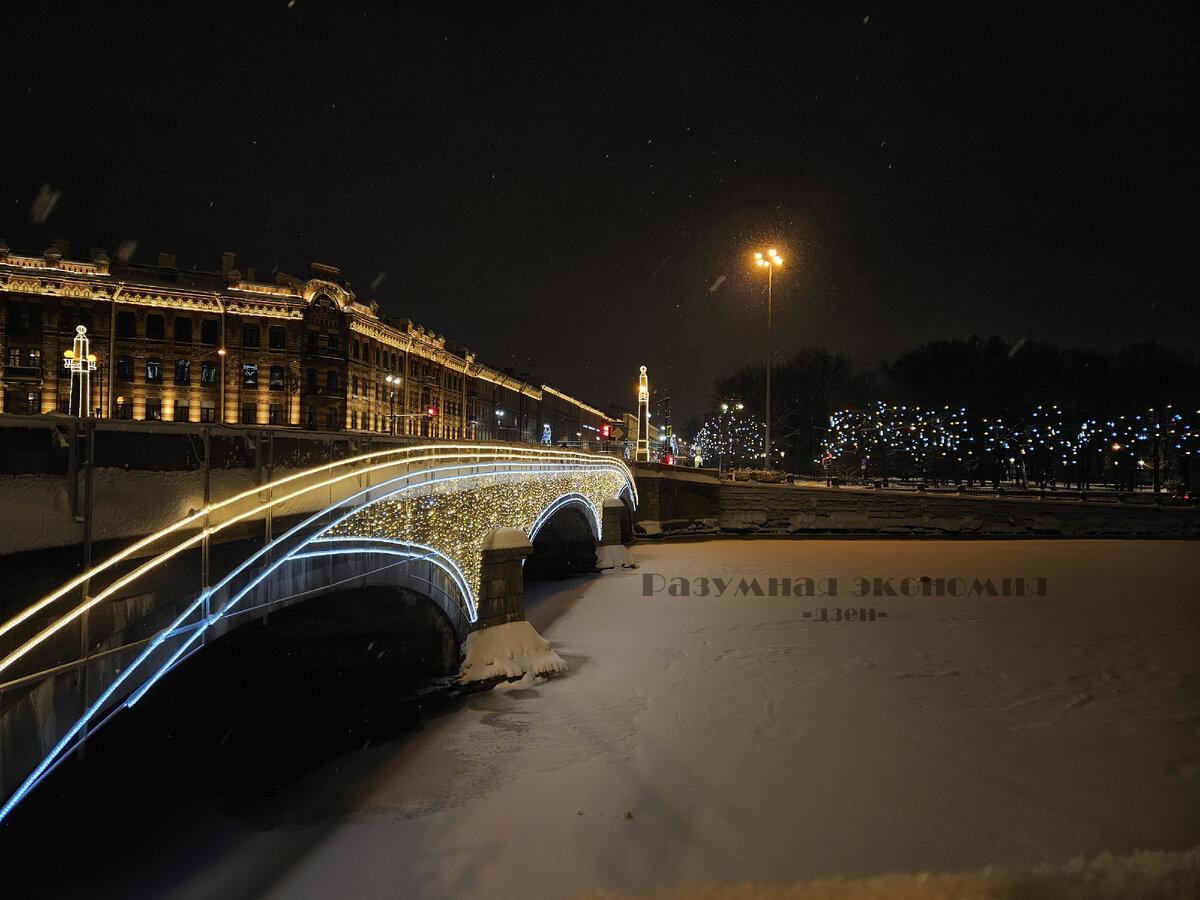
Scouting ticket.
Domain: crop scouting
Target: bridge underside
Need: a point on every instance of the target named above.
(565, 545)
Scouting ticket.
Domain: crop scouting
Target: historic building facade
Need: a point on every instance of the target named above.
(174, 345)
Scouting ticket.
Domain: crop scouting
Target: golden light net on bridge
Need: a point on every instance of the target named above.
(454, 516)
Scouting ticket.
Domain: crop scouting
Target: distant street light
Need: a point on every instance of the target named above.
(222, 353)
(769, 262)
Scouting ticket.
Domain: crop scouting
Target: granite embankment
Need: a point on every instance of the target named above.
(746, 509)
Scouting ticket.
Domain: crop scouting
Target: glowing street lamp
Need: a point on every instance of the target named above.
(768, 261)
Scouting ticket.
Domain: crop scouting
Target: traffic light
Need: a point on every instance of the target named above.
(606, 431)
(432, 410)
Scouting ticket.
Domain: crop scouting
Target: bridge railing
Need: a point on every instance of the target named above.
(27, 640)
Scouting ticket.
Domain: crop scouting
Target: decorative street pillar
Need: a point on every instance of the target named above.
(643, 435)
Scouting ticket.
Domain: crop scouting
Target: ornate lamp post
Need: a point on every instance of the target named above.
(643, 437)
(80, 363)
(769, 261)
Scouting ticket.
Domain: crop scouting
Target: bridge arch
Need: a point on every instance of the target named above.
(413, 517)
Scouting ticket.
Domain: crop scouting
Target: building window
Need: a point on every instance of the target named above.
(331, 383)
(13, 357)
(154, 369)
(334, 344)
(354, 419)
(277, 378)
(208, 412)
(311, 379)
(183, 329)
(183, 372)
(249, 413)
(331, 417)
(250, 374)
(310, 417)
(35, 358)
(354, 390)
(124, 408)
(250, 337)
(181, 411)
(154, 410)
(126, 325)
(356, 349)
(14, 318)
(210, 331)
(208, 372)
(155, 328)
(314, 342)
(275, 414)
(278, 337)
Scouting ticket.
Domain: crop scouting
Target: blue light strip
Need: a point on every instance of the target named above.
(63, 744)
(443, 562)
(572, 499)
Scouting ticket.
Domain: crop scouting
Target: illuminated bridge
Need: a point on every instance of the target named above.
(427, 521)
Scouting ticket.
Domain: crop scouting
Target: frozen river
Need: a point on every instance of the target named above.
(732, 737)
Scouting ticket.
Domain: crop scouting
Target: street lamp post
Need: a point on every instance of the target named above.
(392, 381)
(499, 419)
(769, 261)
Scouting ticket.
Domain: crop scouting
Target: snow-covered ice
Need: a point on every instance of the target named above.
(719, 740)
(730, 739)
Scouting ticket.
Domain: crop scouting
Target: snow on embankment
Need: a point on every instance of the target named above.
(512, 650)
(1146, 875)
(782, 509)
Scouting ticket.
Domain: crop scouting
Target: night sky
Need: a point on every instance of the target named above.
(576, 190)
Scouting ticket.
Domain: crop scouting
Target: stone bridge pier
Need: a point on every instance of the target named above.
(502, 579)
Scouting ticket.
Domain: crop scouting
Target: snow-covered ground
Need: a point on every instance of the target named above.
(720, 740)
